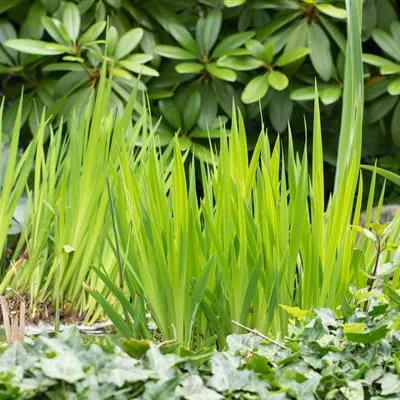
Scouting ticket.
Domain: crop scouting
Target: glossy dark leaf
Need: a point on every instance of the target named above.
(128, 42)
(291, 56)
(255, 89)
(92, 33)
(232, 42)
(394, 87)
(174, 52)
(7, 4)
(171, 113)
(280, 111)
(7, 31)
(111, 41)
(244, 63)
(396, 125)
(39, 47)
(192, 111)
(332, 11)
(56, 30)
(183, 37)
(71, 20)
(225, 74)
(189, 68)
(320, 55)
(330, 94)
(386, 43)
(278, 80)
(30, 27)
(334, 32)
(380, 107)
(209, 106)
(212, 27)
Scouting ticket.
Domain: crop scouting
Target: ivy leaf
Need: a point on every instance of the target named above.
(136, 348)
(294, 311)
(369, 337)
(162, 365)
(192, 388)
(390, 384)
(64, 366)
(122, 370)
(226, 375)
(20, 213)
(243, 343)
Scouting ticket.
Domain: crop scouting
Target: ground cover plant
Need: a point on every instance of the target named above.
(116, 222)
(324, 356)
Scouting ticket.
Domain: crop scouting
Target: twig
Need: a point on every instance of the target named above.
(257, 333)
(371, 280)
(169, 341)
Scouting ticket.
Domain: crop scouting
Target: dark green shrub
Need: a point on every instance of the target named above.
(192, 58)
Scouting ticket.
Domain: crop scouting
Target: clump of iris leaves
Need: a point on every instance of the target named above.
(325, 355)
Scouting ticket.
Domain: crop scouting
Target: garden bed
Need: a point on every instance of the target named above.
(324, 356)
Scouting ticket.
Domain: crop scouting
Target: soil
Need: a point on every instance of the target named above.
(44, 312)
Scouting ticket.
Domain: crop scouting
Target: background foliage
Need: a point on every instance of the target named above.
(192, 57)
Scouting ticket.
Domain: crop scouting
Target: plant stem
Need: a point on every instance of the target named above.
(257, 333)
(374, 271)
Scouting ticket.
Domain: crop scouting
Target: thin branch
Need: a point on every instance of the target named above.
(257, 333)
(170, 341)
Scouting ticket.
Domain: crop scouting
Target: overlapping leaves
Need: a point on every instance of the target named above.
(320, 358)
